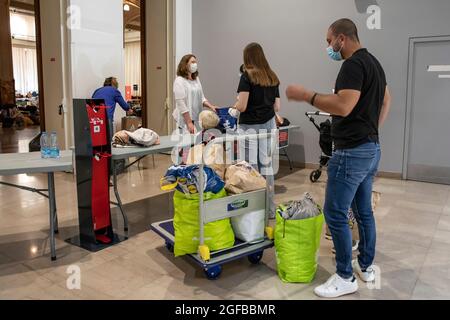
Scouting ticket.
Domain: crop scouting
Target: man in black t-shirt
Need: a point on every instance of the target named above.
(359, 107)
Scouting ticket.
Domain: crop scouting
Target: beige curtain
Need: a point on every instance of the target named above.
(25, 69)
(133, 66)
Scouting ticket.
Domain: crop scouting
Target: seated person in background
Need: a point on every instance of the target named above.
(112, 96)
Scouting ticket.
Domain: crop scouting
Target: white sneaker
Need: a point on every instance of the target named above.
(336, 287)
(367, 276)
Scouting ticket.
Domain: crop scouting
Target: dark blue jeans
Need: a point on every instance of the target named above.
(350, 180)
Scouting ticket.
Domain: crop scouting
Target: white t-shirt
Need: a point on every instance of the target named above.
(189, 97)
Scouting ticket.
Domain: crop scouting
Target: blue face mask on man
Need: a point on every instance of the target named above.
(336, 56)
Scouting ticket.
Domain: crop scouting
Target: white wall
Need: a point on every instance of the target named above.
(183, 29)
(96, 47)
(294, 41)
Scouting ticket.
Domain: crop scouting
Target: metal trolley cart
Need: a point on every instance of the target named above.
(326, 143)
(215, 210)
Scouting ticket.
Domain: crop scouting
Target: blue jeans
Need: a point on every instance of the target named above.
(111, 128)
(259, 153)
(350, 180)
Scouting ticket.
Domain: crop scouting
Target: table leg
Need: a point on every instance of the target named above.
(289, 159)
(56, 225)
(52, 210)
(119, 200)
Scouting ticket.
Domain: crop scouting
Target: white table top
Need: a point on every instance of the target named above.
(32, 162)
(167, 144)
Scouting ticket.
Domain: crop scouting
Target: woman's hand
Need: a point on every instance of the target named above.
(213, 108)
(191, 128)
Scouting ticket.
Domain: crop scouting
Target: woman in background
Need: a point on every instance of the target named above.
(189, 97)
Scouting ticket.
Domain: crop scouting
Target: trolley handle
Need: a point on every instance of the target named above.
(318, 113)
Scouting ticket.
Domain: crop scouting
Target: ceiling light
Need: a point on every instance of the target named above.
(444, 76)
(439, 68)
(126, 7)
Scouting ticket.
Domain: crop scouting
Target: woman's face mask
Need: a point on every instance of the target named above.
(335, 55)
(193, 67)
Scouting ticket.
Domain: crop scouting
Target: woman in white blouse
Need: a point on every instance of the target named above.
(189, 97)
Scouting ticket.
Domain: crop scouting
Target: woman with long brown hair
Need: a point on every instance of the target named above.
(189, 97)
(258, 102)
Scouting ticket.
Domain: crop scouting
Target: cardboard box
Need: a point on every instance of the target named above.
(131, 123)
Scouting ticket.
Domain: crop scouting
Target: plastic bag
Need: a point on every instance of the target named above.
(186, 180)
(297, 243)
(250, 227)
(227, 122)
(218, 235)
(212, 155)
(298, 210)
(242, 178)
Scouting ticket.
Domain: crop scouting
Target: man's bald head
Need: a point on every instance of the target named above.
(345, 27)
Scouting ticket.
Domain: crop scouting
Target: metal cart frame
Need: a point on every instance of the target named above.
(323, 162)
(228, 207)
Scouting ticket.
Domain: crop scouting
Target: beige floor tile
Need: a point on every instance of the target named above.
(413, 234)
(444, 223)
(418, 205)
(442, 236)
(446, 210)
(400, 255)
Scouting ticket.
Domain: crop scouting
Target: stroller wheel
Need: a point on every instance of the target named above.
(315, 176)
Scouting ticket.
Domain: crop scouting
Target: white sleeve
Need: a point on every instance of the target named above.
(203, 95)
(180, 97)
(181, 106)
(179, 90)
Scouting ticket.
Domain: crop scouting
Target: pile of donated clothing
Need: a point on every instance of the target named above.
(298, 227)
(219, 235)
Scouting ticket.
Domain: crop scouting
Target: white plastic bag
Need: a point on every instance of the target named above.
(250, 227)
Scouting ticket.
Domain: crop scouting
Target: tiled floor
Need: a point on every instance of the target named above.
(413, 246)
(13, 140)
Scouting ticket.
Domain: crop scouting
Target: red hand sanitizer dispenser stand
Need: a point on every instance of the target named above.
(93, 167)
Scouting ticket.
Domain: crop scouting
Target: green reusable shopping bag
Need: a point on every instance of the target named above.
(218, 235)
(297, 244)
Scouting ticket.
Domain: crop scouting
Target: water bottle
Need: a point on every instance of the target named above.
(54, 150)
(45, 145)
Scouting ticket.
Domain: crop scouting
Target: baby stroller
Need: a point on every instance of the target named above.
(326, 142)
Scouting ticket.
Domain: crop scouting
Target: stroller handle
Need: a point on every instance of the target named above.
(318, 113)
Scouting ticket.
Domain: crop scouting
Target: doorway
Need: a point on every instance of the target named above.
(427, 147)
(24, 119)
(134, 57)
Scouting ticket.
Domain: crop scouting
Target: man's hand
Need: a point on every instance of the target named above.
(130, 112)
(298, 93)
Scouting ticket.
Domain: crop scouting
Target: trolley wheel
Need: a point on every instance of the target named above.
(315, 176)
(169, 246)
(255, 258)
(213, 273)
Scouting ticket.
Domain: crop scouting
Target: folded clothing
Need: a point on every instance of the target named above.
(142, 137)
